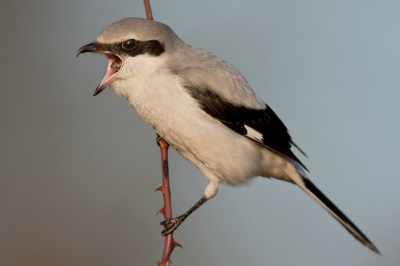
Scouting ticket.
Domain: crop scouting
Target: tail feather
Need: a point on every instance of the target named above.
(316, 194)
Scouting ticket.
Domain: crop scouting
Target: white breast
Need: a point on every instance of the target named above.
(220, 153)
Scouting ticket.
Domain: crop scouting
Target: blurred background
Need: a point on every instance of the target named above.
(77, 173)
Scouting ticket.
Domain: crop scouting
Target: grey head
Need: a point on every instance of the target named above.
(130, 37)
(126, 41)
(138, 29)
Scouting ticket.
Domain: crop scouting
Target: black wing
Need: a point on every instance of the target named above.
(262, 126)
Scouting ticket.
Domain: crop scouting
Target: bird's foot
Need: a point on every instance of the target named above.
(170, 224)
(158, 138)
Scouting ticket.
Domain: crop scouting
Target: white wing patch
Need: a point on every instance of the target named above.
(253, 134)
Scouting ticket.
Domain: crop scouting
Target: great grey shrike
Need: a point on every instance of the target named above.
(204, 108)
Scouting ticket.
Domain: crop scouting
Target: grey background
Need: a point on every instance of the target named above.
(77, 173)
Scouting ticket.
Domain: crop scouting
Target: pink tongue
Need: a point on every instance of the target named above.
(110, 71)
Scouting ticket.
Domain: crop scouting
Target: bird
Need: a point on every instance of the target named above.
(205, 109)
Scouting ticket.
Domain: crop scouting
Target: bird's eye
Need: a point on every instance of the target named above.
(129, 44)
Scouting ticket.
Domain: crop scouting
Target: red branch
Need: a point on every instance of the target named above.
(169, 243)
(147, 6)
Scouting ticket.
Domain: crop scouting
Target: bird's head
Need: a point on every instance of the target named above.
(126, 43)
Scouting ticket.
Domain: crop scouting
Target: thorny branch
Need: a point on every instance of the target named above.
(169, 243)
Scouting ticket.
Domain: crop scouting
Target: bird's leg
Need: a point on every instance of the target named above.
(170, 224)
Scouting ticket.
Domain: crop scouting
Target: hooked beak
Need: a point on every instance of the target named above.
(93, 47)
(114, 63)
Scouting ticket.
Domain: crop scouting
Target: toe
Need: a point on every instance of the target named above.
(166, 222)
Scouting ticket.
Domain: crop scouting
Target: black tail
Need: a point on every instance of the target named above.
(314, 192)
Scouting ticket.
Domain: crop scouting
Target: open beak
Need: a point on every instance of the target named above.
(114, 63)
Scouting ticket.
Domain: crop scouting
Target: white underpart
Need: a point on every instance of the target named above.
(253, 134)
(221, 155)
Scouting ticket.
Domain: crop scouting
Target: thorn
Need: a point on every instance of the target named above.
(161, 189)
(161, 211)
(159, 263)
(176, 244)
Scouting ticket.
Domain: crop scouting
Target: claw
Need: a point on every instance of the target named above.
(161, 211)
(161, 189)
(171, 224)
(158, 138)
(166, 221)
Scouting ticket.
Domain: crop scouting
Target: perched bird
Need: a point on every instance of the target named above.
(204, 108)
